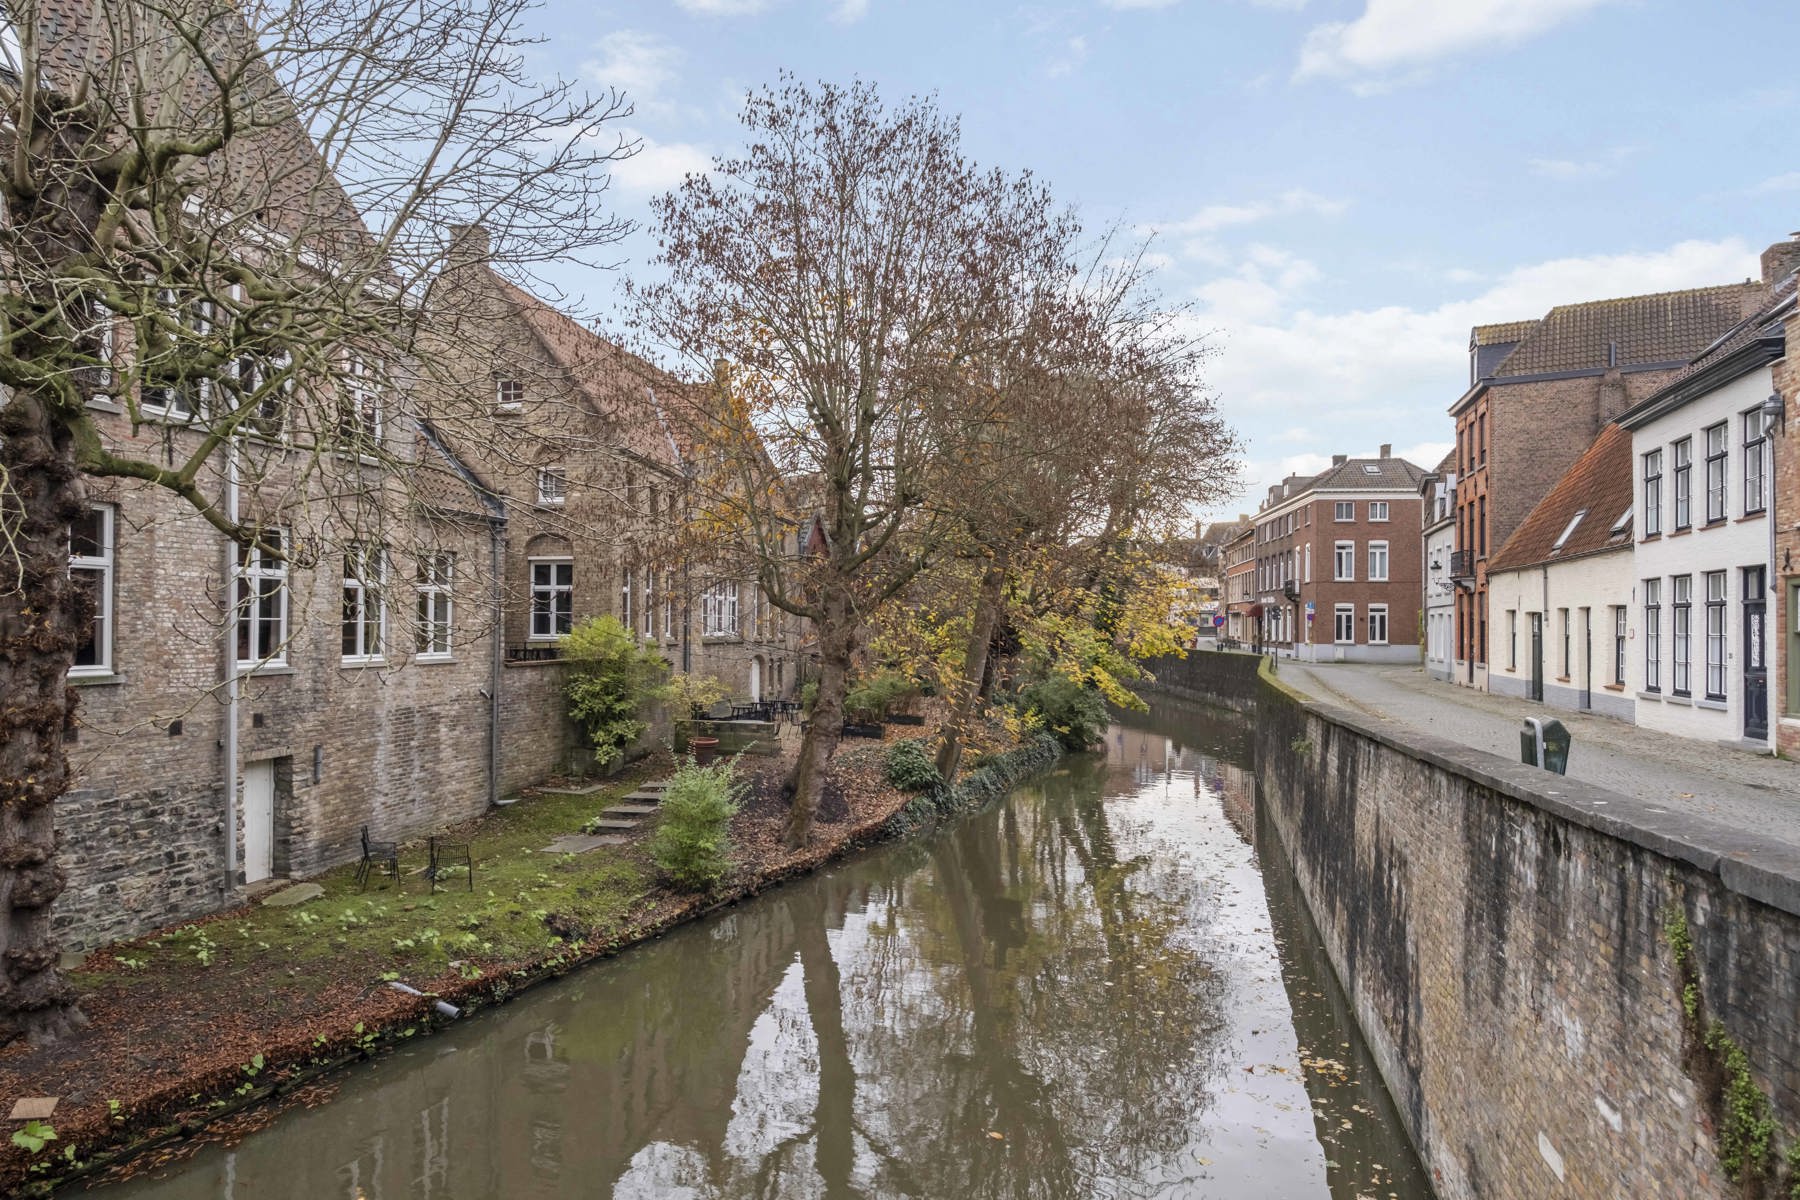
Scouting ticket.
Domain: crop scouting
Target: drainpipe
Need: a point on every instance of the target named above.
(497, 655)
(228, 646)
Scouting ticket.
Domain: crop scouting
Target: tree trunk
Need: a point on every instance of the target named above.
(825, 726)
(975, 663)
(42, 617)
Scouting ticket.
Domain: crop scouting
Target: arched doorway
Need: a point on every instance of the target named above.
(756, 674)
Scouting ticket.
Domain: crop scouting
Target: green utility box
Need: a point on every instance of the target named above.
(1545, 744)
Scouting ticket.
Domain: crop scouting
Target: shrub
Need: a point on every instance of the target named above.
(692, 842)
(691, 695)
(870, 699)
(910, 768)
(1075, 714)
(809, 695)
(612, 675)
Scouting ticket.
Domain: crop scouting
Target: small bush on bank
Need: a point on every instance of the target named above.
(809, 696)
(693, 695)
(1075, 714)
(870, 699)
(612, 676)
(692, 842)
(910, 768)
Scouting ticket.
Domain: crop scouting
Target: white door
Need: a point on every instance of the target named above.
(755, 680)
(259, 820)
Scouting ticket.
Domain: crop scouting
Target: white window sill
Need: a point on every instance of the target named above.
(363, 660)
(105, 404)
(429, 660)
(94, 678)
(1684, 701)
(263, 668)
(1715, 705)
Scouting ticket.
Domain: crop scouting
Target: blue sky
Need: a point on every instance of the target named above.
(1340, 188)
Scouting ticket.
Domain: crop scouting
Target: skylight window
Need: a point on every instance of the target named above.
(1622, 524)
(1371, 469)
(1573, 522)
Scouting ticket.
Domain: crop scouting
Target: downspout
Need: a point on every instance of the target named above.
(228, 647)
(497, 654)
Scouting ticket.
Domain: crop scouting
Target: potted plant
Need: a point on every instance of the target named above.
(693, 694)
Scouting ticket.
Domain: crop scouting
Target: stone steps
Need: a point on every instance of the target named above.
(629, 810)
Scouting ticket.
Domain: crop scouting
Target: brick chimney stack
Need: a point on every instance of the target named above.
(1781, 260)
(1387, 450)
(1338, 460)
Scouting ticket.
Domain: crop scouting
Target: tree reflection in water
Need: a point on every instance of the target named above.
(1059, 997)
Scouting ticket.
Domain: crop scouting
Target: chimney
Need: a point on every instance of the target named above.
(1781, 260)
(1244, 518)
(1338, 460)
(1387, 450)
(470, 244)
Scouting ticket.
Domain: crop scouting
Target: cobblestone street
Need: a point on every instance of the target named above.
(1747, 791)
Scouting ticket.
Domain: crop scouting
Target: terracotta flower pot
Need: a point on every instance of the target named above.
(704, 749)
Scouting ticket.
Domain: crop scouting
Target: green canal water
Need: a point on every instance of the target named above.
(1102, 986)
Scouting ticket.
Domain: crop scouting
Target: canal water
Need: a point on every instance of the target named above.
(1102, 986)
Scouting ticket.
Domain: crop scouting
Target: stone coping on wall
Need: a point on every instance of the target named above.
(1758, 867)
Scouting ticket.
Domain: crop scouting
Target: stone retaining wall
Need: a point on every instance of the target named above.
(1504, 936)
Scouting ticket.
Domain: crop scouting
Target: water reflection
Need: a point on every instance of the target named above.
(1080, 992)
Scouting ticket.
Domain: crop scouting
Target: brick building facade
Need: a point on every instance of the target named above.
(1338, 562)
(1539, 393)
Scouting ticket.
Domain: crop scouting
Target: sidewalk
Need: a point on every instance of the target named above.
(1753, 793)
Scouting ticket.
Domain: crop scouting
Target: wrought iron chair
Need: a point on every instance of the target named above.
(377, 855)
(447, 857)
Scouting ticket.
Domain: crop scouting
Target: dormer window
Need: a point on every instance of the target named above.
(509, 395)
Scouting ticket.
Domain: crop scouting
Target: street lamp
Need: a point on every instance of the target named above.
(1774, 411)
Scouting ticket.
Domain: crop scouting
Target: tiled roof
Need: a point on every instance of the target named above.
(1769, 319)
(1446, 464)
(1662, 328)
(618, 385)
(1499, 334)
(1598, 485)
(1355, 475)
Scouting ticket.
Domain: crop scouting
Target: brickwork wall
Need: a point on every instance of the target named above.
(1503, 944)
(1784, 691)
(1400, 592)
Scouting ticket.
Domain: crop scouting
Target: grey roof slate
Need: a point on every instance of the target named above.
(1665, 327)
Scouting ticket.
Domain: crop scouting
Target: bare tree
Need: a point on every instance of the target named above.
(222, 221)
(845, 266)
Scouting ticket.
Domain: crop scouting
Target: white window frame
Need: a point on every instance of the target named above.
(509, 394)
(1343, 562)
(1343, 619)
(193, 405)
(360, 417)
(1378, 510)
(1718, 471)
(669, 605)
(552, 485)
(254, 572)
(1378, 557)
(649, 613)
(560, 598)
(1378, 612)
(365, 619)
(1756, 490)
(627, 584)
(99, 566)
(1343, 510)
(1681, 657)
(1653, 635)
(1308, 562)
(436, 606)
(719, 611)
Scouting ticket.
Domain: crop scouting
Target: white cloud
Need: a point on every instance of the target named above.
(659, 166)
(1389, 373)
(1215, 217)
(723, 8)
(1393, 39)
(849, 12)
(1787, 182)
(1075, 52)
(639, 64)
(1570, 170)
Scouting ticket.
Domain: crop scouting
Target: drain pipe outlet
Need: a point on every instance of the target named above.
(443, 1007)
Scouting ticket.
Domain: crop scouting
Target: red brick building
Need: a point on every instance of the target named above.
(1785, 444)
(1337, 562)
(1540, 392)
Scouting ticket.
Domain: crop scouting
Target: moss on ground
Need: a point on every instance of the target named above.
(524, 902)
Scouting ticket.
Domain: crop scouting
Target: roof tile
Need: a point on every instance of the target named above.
(1666, 327)
(1597, 484)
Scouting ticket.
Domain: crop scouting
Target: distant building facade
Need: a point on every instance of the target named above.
(1437, 508)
